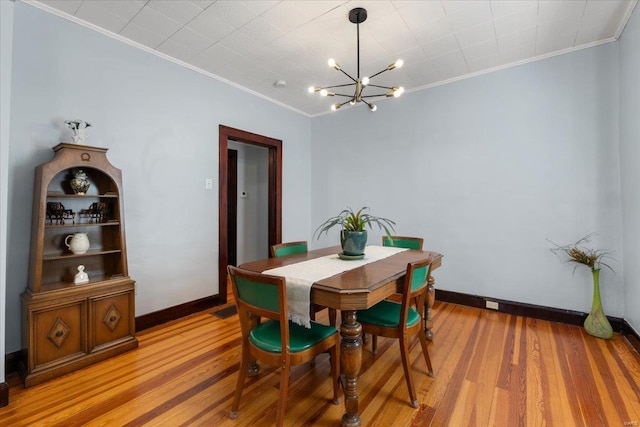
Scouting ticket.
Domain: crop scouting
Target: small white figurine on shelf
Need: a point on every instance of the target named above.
(81, 277)
(79, 129)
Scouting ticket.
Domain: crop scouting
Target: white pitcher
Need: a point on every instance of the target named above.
(79, 243)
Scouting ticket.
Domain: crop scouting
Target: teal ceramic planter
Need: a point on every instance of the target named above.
(353, 242)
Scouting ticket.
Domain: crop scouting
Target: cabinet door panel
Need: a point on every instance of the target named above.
(111, 318)
(59, 333)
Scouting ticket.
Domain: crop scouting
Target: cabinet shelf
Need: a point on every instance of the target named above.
(87, 254)
(57, 286)
(60, 195)
(81, 225)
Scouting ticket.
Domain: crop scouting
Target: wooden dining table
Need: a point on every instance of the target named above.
(357, 289)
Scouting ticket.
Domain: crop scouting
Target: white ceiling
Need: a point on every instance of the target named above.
(254, 43)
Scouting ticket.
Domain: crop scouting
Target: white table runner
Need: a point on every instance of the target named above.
(302, 275)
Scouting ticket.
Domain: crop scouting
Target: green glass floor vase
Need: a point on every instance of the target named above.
(596, 323)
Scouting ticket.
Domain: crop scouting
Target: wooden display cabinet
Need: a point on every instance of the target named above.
(67, 326)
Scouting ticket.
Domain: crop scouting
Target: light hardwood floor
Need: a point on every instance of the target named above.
(491, 369)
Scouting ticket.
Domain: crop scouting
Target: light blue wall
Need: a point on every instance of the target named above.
(630, 163)
(6, 47)
(486, 170)
(160, 123)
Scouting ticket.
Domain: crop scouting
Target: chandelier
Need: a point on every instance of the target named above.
(358, 16)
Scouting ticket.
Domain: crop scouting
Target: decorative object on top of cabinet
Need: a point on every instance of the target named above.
(81, 276)
(79, 129)
(79, 183)
(596, 323)
(64, 326)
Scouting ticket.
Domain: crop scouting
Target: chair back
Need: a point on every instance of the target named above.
(414, 287)
(289, 248)
(260, 295)
(406, 242)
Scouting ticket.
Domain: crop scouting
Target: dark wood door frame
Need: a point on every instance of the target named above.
(232, 207)
(274, 146)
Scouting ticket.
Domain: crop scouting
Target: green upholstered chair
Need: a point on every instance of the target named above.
(400, 320)
(414, 243)
(403, 242)
(289, 248)
(276, 341)
(296, 248)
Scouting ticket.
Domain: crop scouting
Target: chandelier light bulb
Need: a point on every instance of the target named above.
(352, 102)
(399, 63)
(324, 92)
(333, 64)
(373, 107)
(312, 89)
(335, 107)
(399, 91)
(365, 81)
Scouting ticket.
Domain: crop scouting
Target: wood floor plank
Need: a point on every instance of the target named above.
(491, 369)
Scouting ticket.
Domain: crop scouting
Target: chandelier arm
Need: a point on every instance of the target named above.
(344, 85)
(373, 96)
(342, 94)
(345, 102)
(381, 87)
(378, 73)
(347, 74)
(368, 104)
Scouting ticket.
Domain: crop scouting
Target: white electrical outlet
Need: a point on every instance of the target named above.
(208, 184)
(492, 305)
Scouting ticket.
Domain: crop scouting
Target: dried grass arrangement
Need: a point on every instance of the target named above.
(578, 254)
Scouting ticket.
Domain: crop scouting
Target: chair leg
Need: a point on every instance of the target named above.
(332, 316)
(404, 352)
(284, 390)
(425, 351)
(374, 344)
(242, 376)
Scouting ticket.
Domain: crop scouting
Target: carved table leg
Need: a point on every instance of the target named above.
(428, 305)
(350, 362)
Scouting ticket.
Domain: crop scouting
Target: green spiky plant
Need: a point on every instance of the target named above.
(351, 220)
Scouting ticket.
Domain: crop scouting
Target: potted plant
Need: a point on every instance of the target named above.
(353, 236)
(596, 323)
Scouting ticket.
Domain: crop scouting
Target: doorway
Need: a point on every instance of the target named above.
(274, 196)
